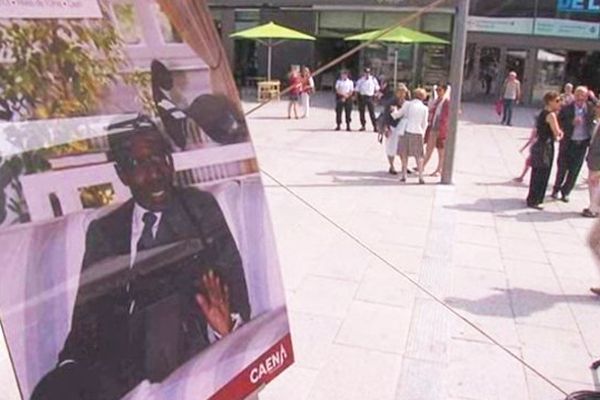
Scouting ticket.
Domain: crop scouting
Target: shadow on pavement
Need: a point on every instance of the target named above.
(509, 183)
(368, 178)
(499, 206)
(491, 205)
(525, 302)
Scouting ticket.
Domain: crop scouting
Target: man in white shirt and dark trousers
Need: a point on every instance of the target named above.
(344, 91)
(367, 87)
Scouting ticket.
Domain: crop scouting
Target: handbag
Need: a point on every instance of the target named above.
(499, 107)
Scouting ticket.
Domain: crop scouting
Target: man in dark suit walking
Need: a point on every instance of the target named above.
(577, 122)
(145, 324)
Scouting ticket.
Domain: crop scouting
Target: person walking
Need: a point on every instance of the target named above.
(344, 92)
(527, 165)
(437, 132)
(389, 125)
(510, 95)
(366, 88)
(542, 152)
(308, 88)
(593, 164)
(567, 96)
(577, 121)
(295, 82)
(410, 143)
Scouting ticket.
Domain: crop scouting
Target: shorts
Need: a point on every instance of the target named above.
(294, 96)
(440, 143)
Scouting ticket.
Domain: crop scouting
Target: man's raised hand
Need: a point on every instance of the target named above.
(215, 304)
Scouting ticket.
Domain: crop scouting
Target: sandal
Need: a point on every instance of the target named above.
(587, 213)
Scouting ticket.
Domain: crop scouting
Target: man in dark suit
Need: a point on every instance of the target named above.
(147, 324)
(577, 122)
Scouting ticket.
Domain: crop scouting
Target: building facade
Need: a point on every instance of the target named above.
(545, 45)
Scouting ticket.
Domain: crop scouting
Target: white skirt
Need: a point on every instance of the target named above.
(391, 144)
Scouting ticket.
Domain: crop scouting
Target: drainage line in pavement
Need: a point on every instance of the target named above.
(416, 284)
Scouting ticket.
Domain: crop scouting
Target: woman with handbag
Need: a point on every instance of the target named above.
(415, 115)
(542, 151)
(389, 126)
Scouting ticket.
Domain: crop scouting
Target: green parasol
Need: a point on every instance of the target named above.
(397, 35)
(264, 34)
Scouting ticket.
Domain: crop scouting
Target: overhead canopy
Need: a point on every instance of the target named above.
(398, 35)
(271, 31)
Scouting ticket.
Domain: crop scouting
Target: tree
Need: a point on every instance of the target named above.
(58, 68)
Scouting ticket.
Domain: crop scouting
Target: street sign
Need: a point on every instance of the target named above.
(518, 26)
(592, 6)
(566, 28)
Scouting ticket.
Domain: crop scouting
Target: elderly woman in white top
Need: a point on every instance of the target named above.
(410, 143)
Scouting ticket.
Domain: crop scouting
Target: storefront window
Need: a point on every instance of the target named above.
(127, 22)
(340, 23)
(436, 66)
(437, 23)
(246, 19)
(551, 65)
(381, 58)
(489, 70)
(379, 20)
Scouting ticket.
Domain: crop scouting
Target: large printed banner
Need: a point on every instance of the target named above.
(50, 9)
(138, 257)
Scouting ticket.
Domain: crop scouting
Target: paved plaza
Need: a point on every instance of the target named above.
(361, 331)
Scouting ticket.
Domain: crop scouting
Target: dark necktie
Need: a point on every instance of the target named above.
(147, 240)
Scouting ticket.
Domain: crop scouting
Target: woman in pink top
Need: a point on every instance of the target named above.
(295, 81)
(437, 131)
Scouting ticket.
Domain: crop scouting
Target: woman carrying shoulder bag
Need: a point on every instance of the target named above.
(391, 128)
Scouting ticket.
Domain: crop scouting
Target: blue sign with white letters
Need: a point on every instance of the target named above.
(579, 6)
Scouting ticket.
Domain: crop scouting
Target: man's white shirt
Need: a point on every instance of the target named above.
(344, 87)
(367, 86)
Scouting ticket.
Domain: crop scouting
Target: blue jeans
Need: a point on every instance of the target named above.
(508, 111)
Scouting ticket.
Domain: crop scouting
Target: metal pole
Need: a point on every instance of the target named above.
(269, 58)
(395, 68)
(459, 45)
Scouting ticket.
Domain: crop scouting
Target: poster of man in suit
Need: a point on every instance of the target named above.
(144, 263)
